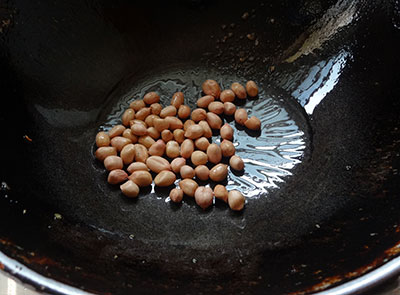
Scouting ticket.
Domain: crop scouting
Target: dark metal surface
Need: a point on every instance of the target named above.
(332, 66)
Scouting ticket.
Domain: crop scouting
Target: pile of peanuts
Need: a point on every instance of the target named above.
(149, 132)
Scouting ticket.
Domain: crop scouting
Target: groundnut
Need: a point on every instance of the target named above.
(229, 108)
(130, 189)
(187, 172)
(179, 135)
(236, 200)
(136, 121)
(151, 97)
(105, 151)
(177, 163)
(202, 143)
(194, 131)
(139, 129)
(187, 124)
(219, 172)
(216, 107)
(202, 172)
(128, 115)
(146, 140)
(155, 108)
(214, 120)
(204, 101)
(220, 192)
(172, 149)
(239, 90)
(119, 142)
(128, 134)
(149, 120)
(113, 162)
(174, 123)
(198, 115)
(204, 196)
(207, 130)
(141, 178)
(236, 163)
(102, 139)
(141, 153)
(177, 99)
(167, 135)
(227, 148)
(184, 112)
(142, 114)
(117, 130)
(128, 154)
(165, 178)
(168, 111)
(176, 195)
(226, 132)
(138, 104)
(251, 88)
(227, 96)
(153, 133)
(241, 116)
(137, 166)
(199, 158)
(187, 148)
(188, 186)
(211, 87)
(253, 123)
(117, 176)
(214, 153)
(160, 124)
(158, 164)
(158, 148)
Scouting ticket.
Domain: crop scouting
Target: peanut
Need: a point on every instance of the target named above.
(177, 99)
(226, 132)
(127, 116)
(177, 163)
(239, 90)
(204, 101)
(172, 149)
(211, 87)
(146, 140)
(141, 178)
(105, 151)
(151, 97)
(216, 107)
(214, 120)
(165, 178)
(155, 108)
(142, 113)
(236, 200)
(204, 196)
(117, 130)
(102, 139)
(184, 112)
(251, 88)
(117, 176)
(113, 162)
(128, 154)
(176, 195)
(158, 164)
(129, 189)
(139, 129)
(160, 124)
(187, 124)
(229, 108)
(179, 135)
(227, 96)
(198, 115)
(153, 133)
(119, 142)
(194, 131)
(141, 153)
(202, 143)
(187, 172)
(174, 123)
(227, 148)
(128, 134)
(220, 192)
(167, 135)
(241, 116)
(168, 111)
(137, 105)
(253, 123)
(136, 121)
(158, 148)
(202, 172)
(207, 130)
(188, 186)
(236, 163)
(199, 158)
(137, 166)
(149, 120)
(219, 172)
(214, 153)
(187, 148)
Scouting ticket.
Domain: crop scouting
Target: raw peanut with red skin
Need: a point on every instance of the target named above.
(216, 107)
(155, 108)
(251, 88)
(141, 178)
(158, 148)
(219, 172)
(179, 135)
(236, 200)
(137, 166)
(204, 101)
(198, 115)
(174, 123)
(220, 192)
(128, 154)
(214, 153)
(142, 114)
(187, 124)
(227, 96)
(172, 149)
(241, 116)
(168, 111)
(153, 133)
(177, 99)
(130, 189)
(187, 172)
(184, 112)
(139, 129)
(127, 116)
(211, 87)
(207, 130)
(165, 178)
(105, 151)
(158, 164)
(177, 163)
(227, 148)
(117, 176)
(128, 134)
(202, 172)
(113, 162)
(176, 195)
(102, 139)
(141, 153)
(117, 130)
(229, 108)
(202, 143)
(204, 197)
(160, 124)
(167, 135)
(119, 142)
(236, 163)
(149, 120)
(188, 186)
(199, 158)
(151, 97)
(214, 121)
(187, 148)
(226, 132)
(194, 131)
(136, 121)
(253, 123)
(146, 140)
(239, 90)
(137, 105)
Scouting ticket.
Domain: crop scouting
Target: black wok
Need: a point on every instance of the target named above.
(322, 211)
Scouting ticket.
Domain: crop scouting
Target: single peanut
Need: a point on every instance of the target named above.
(167, 135)
(137, 121)
(142, 113)
(204, 101)
(155, 108)
(102, 139)
(226, 132)
(216, 107)
(139, 129)
(160, 124)
(194, 131)
(174, 123)
(137, 105)
(176, 195)
(141, 153)
(168, 111)
(179, 135)
(187, 172)
(130, 189)
(198, 115)
(236, 163)
(184, 112)
(149, 120)
(117, 176)
(214, 120)
(117, 130)
(239, 90)
(219, 172)
(187, 148)
(229, 108)
(236, 200)
(227, 96)
(187, 124)
(137, 166)
(119, 142)
(158, 148)
(227, 148)
(253, 123)
(127, 116)
(177, 163)
(211, 87)
(141, 178)
(202, 143)
(188, 186)
(202, 172)
(214, 153)
(128, 154)
(113, 162)
(158, 164)
(199, 158)
(151, 97)
(165, 178)
(146, 140)
(105, 151)
(177, 99)
(241, 116)
(251, 88)
(172, 149)
(153, 133)
(207, 130)
(220, 192)
(128, 134)
(204, 196)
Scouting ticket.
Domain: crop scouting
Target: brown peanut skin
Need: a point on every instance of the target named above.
(141, 178)
(127, 116)
(165, 178)
(117, 176)
(176, 195)
(241, 116)
(204, 101)
(239, 90)
(105, 151)
(177, 99)
(187, 148)
(214, 121)
(236, 163)
(251, 88)
(236, 200)
(142, 114)
(226, 132)
(158, 148)
(151, 97)
(168, 111)
(188, 186)
(177, 163)
(158, 164)
(198, 115)
(119, 142)
(227, 148)
(102, 139)
(220, 192)
(229, 108)
(219, 172)
(130, 189)
(227, 96)
(137, 105)
(137, 166)
(204, 197)
(253, 123)
(117, 130)
(184, 112)
(202, 172)
(113, 162)
(211, 87)
(214, 153)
